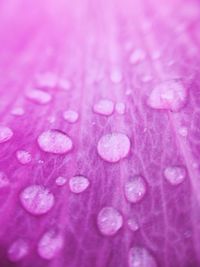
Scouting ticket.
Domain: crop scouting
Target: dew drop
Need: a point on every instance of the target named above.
(175, 174)
(169, 95)
(23, 156)
(137, 56)
(109, 221)
(54, 141)
(5, 133)
(141, 257)
(70, 116)
(78, 184)
(38, 96)
(17, 250)
(183, 131)
(60, 180)
(120, 108)
(3, 180)
(36, 199)
(104, 107)
(49, 245)
(17, 111)
(133, 224)
(116, 76)
(113, 147)
(135, 189)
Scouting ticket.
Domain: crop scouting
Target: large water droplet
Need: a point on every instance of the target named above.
(54, 141)
(36, 199)
(135, 189)
(38, 96)
(120, 108)
(5, 133)
(23, 156)
(3, 180)
(141, 257)
(60, 180)
(78, 184)
(109, 221)
(169, 95)
(104, 107)
(17, 250)
(49, 245)
(175, 174)
(113, 147)
(70, 116)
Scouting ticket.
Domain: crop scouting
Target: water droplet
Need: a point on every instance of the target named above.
(23, 156)
(169, 95)
(60, 180)
(137, 56)
(36, 199)
(38, 96)
(120, 108)
(3, 180)
(133, 224)
(70, 116)
(141, 257)
(17, 250)
(49, 245)
(113, 147)
(18, 111)
(183, 131)
(109, 221)
(175, 174)
(54, 141)
(104, 107)
(135, 189)
(78, 184)
(116, 76)
(5, 133)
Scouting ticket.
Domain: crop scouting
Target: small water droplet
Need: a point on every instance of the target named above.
(169, 95)
(141, 257)
(135, 189)
(104, 107)
(60, 180)
(5, 133)
(38, 96)
(113, 147)
(183, 131)
(3, 180)
(109, 221)
(54, 141)
(23, 156)
(17, 250)
(120, 108)
(133, 224)
(116, 76)
(70, 116)
(49, 245)
(37, 199)
(78, 184)
(17, 111)
(175, 174)
(137, 56)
